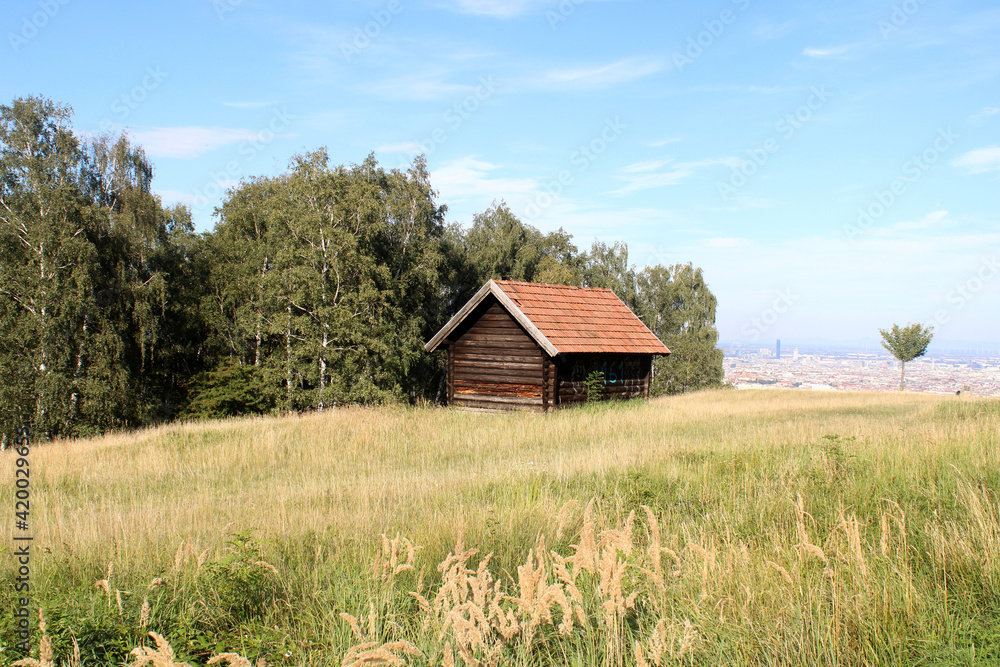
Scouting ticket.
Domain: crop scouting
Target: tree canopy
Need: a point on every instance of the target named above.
(906, 344)
(318, 287)
(81, 290)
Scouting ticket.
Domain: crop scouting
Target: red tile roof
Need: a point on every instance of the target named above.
(564, 320)
(582, 319)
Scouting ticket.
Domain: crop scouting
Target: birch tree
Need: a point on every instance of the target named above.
(78, 297)
(46, 279)
(348, 285)
(677, 305)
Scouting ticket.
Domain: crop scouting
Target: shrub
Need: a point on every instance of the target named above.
(228, 391)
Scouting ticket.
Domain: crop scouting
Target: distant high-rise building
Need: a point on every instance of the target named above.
(778, 349)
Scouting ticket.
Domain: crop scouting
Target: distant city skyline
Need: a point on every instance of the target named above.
(833, 168)
(819, 371)
(788, 347)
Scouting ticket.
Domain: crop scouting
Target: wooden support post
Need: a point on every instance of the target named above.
(550, 391)
(645, 379)
(450, 371)
(554, 384)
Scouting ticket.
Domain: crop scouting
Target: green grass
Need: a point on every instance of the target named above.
(899, 493)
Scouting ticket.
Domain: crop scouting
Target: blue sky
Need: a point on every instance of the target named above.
(833, 167)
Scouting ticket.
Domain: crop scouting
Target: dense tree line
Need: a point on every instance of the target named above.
(316, 288)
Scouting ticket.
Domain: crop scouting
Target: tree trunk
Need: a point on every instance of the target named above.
(902, 368)
(44, 369)
(322, 370)
(257, 340)
(260, 315)
(74, 398)
(288, 357)
(326, 327)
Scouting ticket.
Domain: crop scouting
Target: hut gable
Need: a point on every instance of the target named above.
(518, 345)
(494, 361)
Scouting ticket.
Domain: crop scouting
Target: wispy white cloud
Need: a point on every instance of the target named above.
(247, 105)
(767, 30)
(423, 87)
(188, 142)
(316, 51)
(647, 165)
(471, 179)
(929, 221)
(656, 180)
(742, 88)
(603, 76)
(745, 202)
(663, 142)
(646, 175)
(727, 242)
(861, 283)
(498, 8)
(842, 52)
(589, 220)
(984, 116)
(410, 147)
(979, 161)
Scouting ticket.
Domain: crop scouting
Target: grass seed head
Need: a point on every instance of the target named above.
(267, 566)
(353, 622)
(161, 656)
(563, 517)
(370, 654)
(45, 653)
(231, 659)
(586, 555)
(782, 571)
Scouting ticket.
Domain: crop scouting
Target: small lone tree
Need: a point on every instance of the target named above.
(906, 344)
(595, 386)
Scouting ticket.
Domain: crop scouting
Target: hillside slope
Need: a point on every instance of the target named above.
(781, 527)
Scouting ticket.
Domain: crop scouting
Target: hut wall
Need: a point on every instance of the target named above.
(625, 376)
(494, 364)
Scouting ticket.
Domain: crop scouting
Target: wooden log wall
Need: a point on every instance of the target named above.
(625, 376)
(450, 374)
(496, 365)
(550, 387)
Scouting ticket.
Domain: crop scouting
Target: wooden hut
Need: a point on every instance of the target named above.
(531, 346)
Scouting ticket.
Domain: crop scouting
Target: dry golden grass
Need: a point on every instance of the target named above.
(720, 526)
(389, 469)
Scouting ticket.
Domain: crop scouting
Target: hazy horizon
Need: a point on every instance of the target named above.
(788, 345)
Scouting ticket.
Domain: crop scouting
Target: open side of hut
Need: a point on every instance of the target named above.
(532, 346)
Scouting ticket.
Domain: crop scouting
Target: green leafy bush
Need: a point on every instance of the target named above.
(228, 391)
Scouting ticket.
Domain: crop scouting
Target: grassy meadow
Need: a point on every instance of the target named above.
(741, 528)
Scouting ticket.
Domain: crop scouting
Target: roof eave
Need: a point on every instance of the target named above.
(492, 288)
(469, 306)
(523, 320)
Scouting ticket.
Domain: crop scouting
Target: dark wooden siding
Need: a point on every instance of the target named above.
(625, 376)
(550, 389)
(450, 374)
(494, 364)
